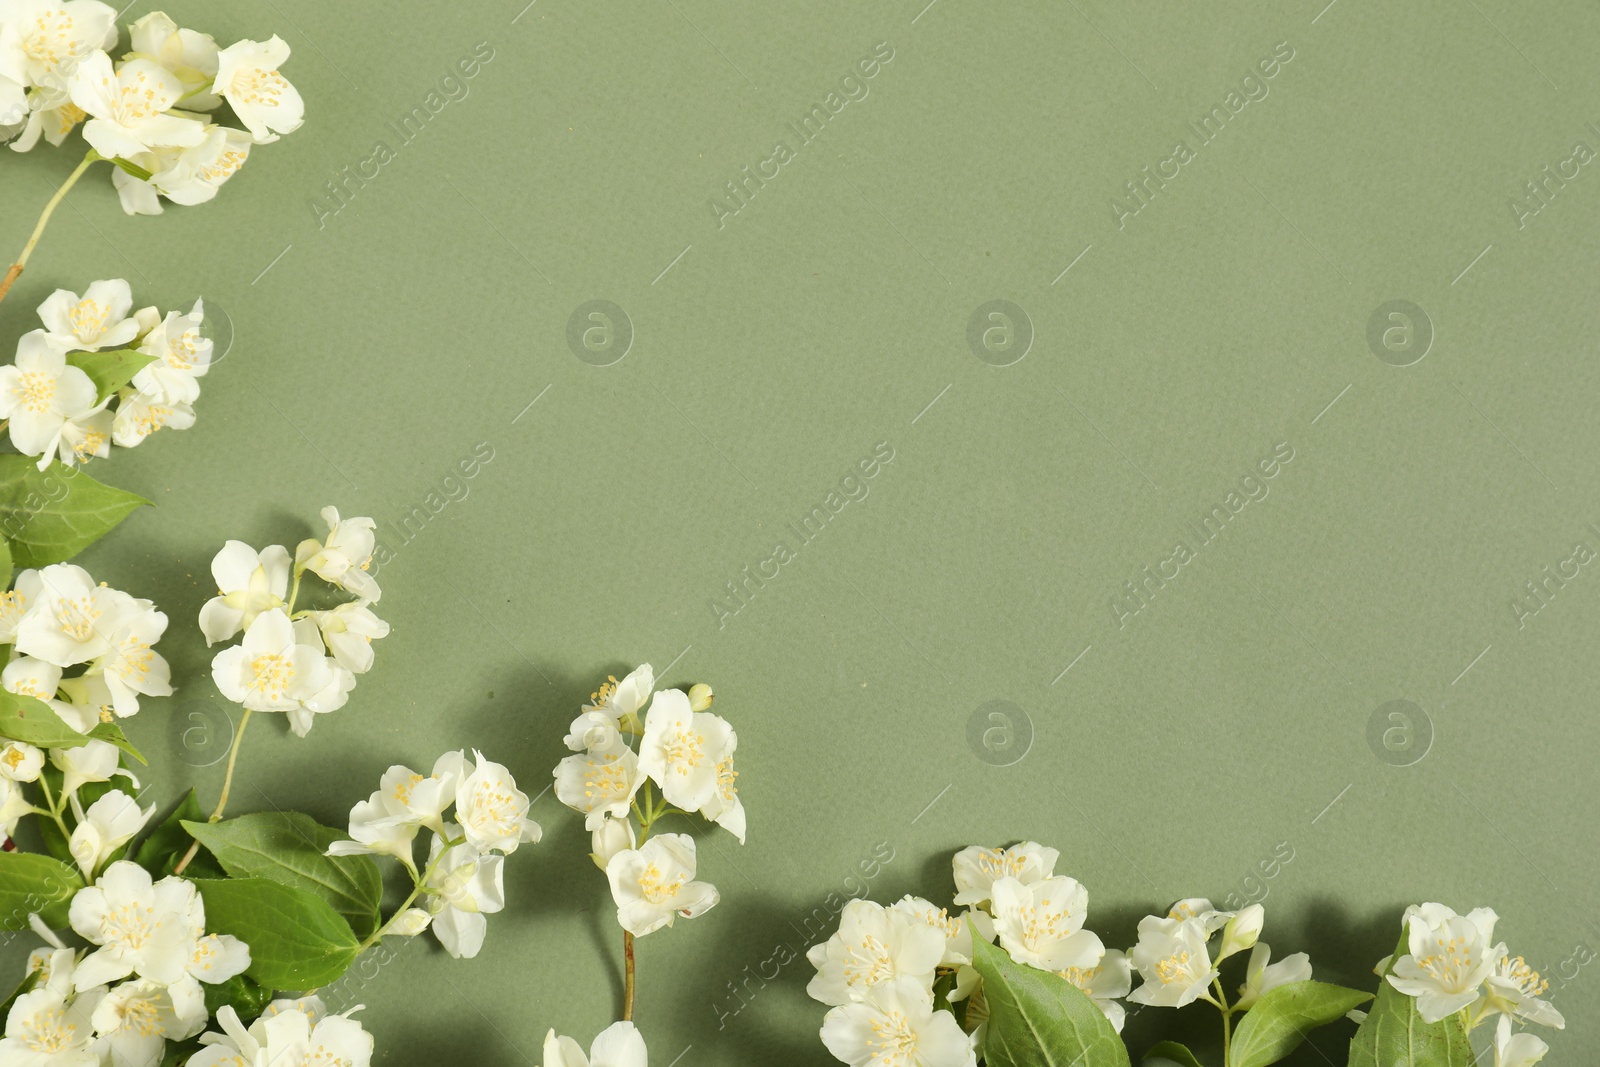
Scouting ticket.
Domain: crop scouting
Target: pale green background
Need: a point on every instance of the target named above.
(1224, 719)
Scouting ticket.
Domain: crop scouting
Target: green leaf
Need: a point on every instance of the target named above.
(162, 847)
(5, 564)
(1278, 1022)
(110, 371)
(110, 731)
(288, 848)
(247, 997)
(1394, 1035)
(30, 882)
(130, 167)
(297, 941)
(1171, 1050)
(31, 720)
(1038, 1019)
(50, 516)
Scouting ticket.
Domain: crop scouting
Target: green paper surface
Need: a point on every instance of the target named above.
(949, 651)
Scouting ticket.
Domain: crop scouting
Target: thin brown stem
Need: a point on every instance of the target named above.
(627, 979)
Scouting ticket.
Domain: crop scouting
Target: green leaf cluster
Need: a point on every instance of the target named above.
(303, 914)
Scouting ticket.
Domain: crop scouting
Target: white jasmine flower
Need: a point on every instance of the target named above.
(215, 958)
(427, 799)
(724, 807)
(93, 761)
(29, 677)
(186, 176)
(131, 667)
(182, 356)
(1260, 978)
(138, 416)
(1513, 989)
(71, 620)
(955, 928)
(55, 36)
(288, 1032)
(349, 630)
(152, 929)
(895, 1026)
(388, 821)
(20, 761)
(39, 393)
(874, 945)
(491, 809)
(611, 837)
(376, 829)
(55, 965)
(599, 783)
(52, 116)
(1105, 983)
(618, 1045)
(1450, 957)
(689, 754)
(1197, 908)
(1242, 931)
(467, 885)
(109, 824)
(128, 106)
(102, 318)
(1041, 923)
(190, 56)
(977, 868)
(49, 1028)
(1172, 959)
(85, 437)
(135, 1020)
(1516, 1050)
(269, 670)
(653, 884)
(621, 701)
(248, 79)
(87, 699)
(248, 583)
(342, 560)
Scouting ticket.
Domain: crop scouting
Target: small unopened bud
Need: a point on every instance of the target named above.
(1242, 931)
(611, 837)
(147, 319)
(408, 923)
(700, 696)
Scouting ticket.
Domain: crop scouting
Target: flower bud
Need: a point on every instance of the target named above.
(700, 696)
(1242, 931)
(612, 836)
(148, 319)
(409, 923)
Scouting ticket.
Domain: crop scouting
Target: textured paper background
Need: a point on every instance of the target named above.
(1173, 749)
